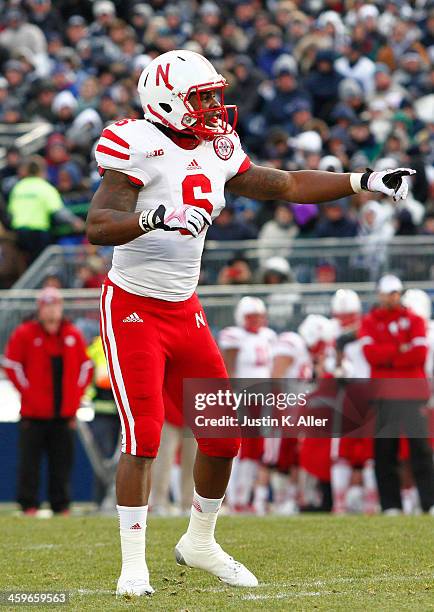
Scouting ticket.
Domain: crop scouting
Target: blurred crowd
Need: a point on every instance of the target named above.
(320, 84)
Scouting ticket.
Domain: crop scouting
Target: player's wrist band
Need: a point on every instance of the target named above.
(143, 221)
(356, 181)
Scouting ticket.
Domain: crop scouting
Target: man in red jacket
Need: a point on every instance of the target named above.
(395, 345)
(46, 361)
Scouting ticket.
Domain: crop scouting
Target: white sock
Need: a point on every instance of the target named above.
(260, 499)
(132, 524)
(340, 481)
(282, 488)
(368, 474)
(203, 518)
(370, 487)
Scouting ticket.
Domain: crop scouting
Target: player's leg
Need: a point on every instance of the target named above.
(340, 473)
(283, 481)
(386, 473)
(420, 454)
(60, 452)
(386, 457)
(31, 447)
(196, 356)
(136, 367)
(249, 458)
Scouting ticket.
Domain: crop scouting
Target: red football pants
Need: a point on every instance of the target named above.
(151, 346)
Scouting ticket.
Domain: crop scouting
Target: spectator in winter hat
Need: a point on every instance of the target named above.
(351, 94)
(353, 64)
(331, 24)
(301, 117)
(21, 35)
(41, 104)
(210, 16)
(362, 140)
(245, 91)
(64, 108)
(287, 92)
(88, 94)
(11, 112)
(108, 109)
(276, 270)
(336, 223)
(385, 88)
(322, 83)
(330, 163)
(14, 73)
(276, 149)
(280, 229)
(76, 30)
(45, 15)
(104, 12)
(274, 46)
(307, 142)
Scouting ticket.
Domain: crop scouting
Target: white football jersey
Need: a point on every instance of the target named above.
(290, 344)
(255, 357)
(354, 363)
(429, 363)
(166, 265)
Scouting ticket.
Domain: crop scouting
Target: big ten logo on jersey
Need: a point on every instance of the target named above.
(155, 153)
(262, 356)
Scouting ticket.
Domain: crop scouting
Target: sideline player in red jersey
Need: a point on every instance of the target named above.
(164, 182)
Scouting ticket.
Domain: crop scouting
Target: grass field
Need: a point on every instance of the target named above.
(303, 563)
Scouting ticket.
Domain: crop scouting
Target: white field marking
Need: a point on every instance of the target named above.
(251, 596)
(49, 546)
(280, 585)
(32, 546)
(342, 580)
(328, 582)
(92, 591)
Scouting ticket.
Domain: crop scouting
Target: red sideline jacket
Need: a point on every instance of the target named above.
(395, 345)
(27, 363)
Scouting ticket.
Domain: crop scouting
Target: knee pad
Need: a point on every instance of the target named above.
(219, 447)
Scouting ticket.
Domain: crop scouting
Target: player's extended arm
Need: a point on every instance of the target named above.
(314, 186)
(112, 219)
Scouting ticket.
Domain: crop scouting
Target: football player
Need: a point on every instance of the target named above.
(292, 362)
(352, 471)
(163, 184)
(318, 333)
(247, 352)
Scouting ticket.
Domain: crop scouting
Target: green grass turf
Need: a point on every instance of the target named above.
(303, 563)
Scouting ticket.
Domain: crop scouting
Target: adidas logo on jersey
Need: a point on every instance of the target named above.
(136, 526)
(193, 165)
(133, 318)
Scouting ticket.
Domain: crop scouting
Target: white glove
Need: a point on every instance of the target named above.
(190, 218)
(389, 182)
